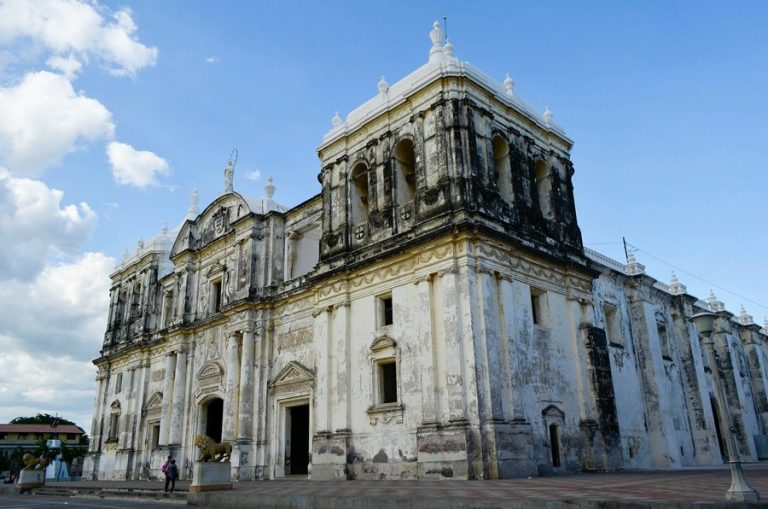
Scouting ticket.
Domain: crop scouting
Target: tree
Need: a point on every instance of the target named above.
(42, 419)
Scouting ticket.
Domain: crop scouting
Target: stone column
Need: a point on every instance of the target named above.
(230, 401)
(177, 410)
(93, 446)
(245, 404)
(165, 415)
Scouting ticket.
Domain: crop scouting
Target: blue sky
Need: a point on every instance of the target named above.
(665, 101)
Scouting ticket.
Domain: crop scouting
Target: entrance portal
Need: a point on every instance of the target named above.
(297, 439)
(213, 414)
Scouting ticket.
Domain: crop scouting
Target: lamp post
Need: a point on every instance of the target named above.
(740, 489)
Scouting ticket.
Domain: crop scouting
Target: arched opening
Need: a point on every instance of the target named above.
(543, 189)
(120, 309)
(136, 300)
(405, 161)
(503, 168)
(359, 194)
(212, 418)
(716, 415)
(554, 445)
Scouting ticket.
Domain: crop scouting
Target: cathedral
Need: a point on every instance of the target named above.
(430, 314)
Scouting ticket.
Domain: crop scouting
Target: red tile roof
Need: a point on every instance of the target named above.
(39, 428)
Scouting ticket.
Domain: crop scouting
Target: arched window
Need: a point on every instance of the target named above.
(544, 189)
(359, 194)
(405, 162)
(503, 168)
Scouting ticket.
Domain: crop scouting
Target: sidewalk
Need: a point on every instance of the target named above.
(699, 488)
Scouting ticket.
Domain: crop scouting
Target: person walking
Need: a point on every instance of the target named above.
(171, 474)
(164, 469)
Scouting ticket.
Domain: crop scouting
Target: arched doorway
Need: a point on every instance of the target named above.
(212, 416)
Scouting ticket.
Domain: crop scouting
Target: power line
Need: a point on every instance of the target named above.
(697, 277)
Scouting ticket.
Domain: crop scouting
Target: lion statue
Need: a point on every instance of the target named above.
(211, 451)
(31, 463)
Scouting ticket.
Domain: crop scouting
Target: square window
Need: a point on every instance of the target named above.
(538, 306)
(385, 310)
(388, 382)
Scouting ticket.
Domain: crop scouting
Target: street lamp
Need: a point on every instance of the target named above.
(740, 489)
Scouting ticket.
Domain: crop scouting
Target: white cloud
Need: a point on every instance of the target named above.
(43, 119)
(34, 225)
(80, 29)
(135, 167)
(253, 175)
(212, 60)
(69, 66)
(50, 328)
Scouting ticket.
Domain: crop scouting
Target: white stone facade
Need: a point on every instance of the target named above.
(432, 313)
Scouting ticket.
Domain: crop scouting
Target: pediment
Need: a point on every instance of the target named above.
(293, 372)
(210, 370)
(553, 411)
(382, 342)
(155, 402)
(186, 239)
(115, 406)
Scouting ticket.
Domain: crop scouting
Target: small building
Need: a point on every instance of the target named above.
(431, 314)
(27, 436)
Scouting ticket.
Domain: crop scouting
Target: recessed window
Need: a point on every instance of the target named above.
(543, 189)
(167, 308)
(612, 329)
(388, 382)
(216, 296)
(661, 328)
(385, 310)
(155, 436)
(118, 383)
(538, 306)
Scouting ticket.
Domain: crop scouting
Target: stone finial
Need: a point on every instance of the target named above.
(764, 330)
(450, 56)
(229, 173)
(548, 116)
(139, 244)
(269, 189)
(193, 201)
(436, 36)
(383, 86)
(633, 268)
(336, 120)
(509, 85)
(676, 287)
(164, 229)
(126, 254)
(715, 305)
(744, 318)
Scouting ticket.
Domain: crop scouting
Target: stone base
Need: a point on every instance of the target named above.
(210, 476)
(329, 456)
(29, 479)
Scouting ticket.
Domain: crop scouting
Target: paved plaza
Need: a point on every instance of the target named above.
(704, 487)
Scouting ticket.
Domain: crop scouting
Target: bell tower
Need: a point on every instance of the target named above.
(445, 148)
